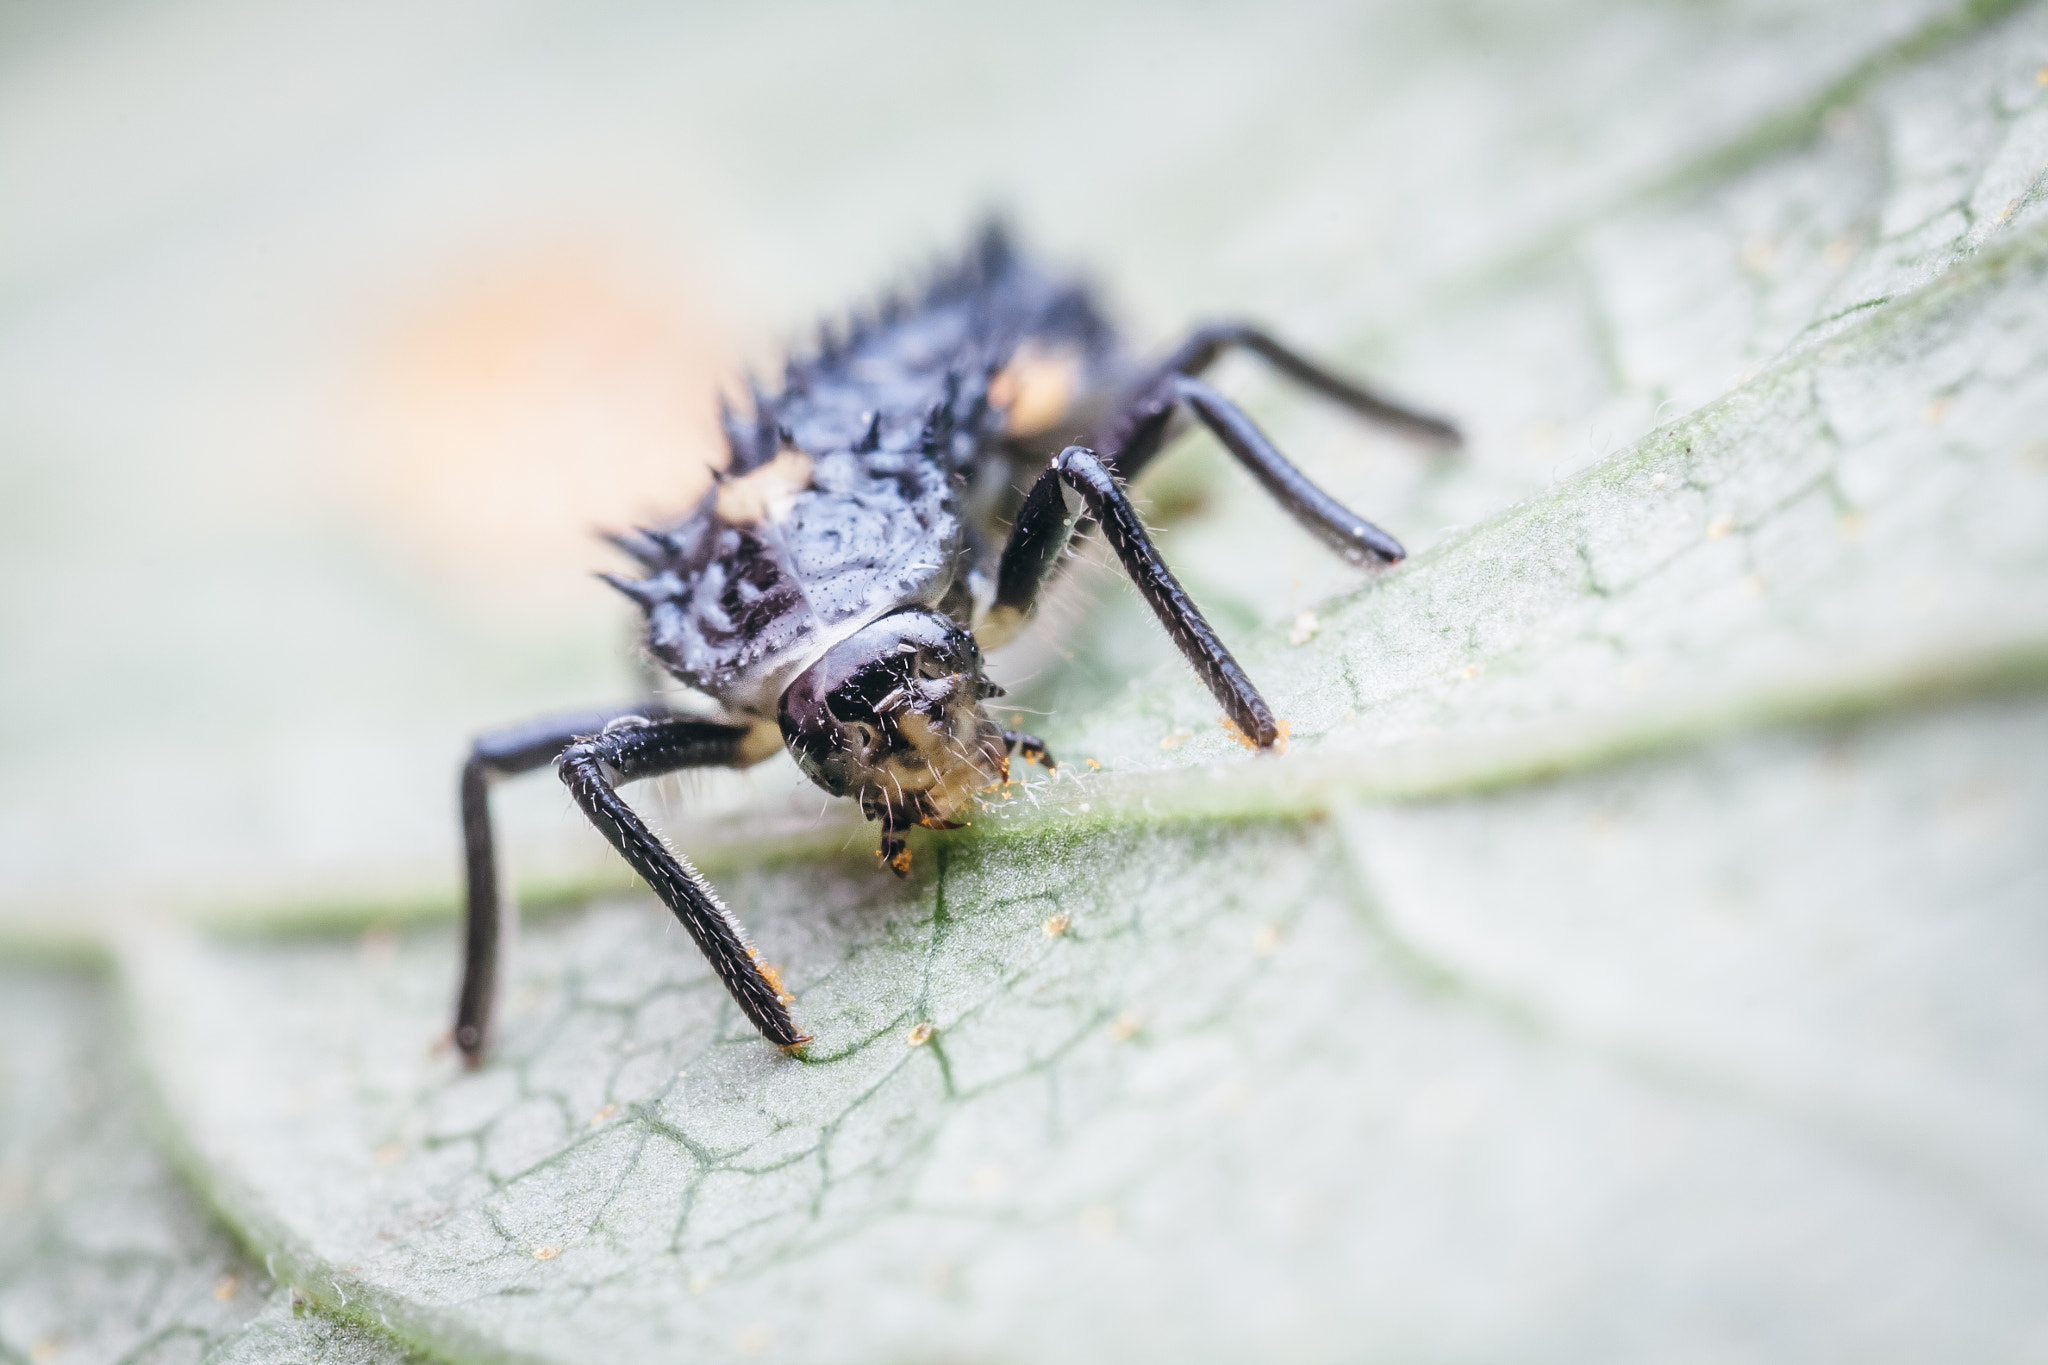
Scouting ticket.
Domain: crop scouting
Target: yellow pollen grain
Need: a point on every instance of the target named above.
(920, 1035)
(1231, 728)
(601, 1115)
(1305, 628)
(546, 1253)
(1936, 409)
(1055, 925)
(1125, 1026)
(224, 1288)
(1719, 527)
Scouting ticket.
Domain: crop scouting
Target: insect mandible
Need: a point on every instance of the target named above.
(892, 512)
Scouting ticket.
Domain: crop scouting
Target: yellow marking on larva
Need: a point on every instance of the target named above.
(998, 627)
(767, 493)
(1036, 388)
(763, 740)
(1230, 727)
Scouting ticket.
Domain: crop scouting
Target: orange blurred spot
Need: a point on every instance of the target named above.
(516, 406)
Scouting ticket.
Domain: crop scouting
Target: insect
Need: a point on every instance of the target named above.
(888, 515)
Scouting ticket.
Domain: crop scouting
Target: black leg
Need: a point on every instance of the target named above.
(1031, 749)
(1139, 429)
(505, 753)
(1043, 527)
(1201, 350)
(1038, 538)
(630, 749)
(1343, 530)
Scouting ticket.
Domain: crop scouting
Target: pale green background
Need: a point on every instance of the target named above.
(1638, 954)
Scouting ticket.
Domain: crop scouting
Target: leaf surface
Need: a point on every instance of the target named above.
(1635, 953)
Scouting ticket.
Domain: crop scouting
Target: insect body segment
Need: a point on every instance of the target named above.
(891, 512)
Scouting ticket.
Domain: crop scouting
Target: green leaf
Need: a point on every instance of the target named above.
(1722, 1048)
(106, 1255)
(1637, 951)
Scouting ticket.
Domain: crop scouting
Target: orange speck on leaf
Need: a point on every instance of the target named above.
(774, 979)
(1279, 745)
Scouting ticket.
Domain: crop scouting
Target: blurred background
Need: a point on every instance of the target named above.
(329, 333)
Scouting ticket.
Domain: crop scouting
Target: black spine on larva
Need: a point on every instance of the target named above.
(987, 259)
(648, 592)
(751, 440)
(646, 549)
(937, 437)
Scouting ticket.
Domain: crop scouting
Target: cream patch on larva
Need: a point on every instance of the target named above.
(1034, 391)
(766, 494)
